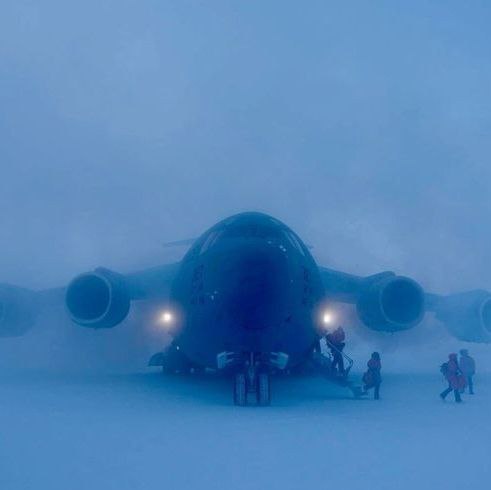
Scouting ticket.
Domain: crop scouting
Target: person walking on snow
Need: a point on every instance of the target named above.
(335, 342)
(467, 366)
(372, 378)
(453, 375)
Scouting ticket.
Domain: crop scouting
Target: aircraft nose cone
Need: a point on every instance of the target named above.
(259, 275)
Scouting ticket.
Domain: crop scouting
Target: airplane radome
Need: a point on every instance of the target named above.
(247, 298)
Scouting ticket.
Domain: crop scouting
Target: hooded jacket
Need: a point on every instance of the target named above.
(467, 365)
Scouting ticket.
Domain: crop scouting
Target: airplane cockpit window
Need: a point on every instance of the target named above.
(252, 231)
(230, 220)
(210, 241)
(295, 242)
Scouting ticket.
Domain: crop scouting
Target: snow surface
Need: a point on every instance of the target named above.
(144, 430)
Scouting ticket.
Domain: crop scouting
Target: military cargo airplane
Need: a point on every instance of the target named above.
(248, 297)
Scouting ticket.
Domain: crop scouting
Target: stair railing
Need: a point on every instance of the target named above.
(347, 358)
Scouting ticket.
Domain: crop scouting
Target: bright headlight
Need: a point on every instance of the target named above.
(166, 317)
(327, 318)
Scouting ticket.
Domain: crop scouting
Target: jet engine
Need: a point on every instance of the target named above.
(391, 303)
(18, 310)
(466, 315)
(98, 299)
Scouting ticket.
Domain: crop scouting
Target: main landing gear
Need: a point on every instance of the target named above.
(252, 378)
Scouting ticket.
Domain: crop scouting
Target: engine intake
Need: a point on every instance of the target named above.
(391, 304)
(466, 315)
(98, 299)
(18, 310)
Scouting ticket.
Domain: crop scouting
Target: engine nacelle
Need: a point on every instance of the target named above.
(466, 315)
(98, 299)
(391, 304)
(18, 310)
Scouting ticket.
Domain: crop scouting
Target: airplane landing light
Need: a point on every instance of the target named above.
(327, 318)
(166, 317)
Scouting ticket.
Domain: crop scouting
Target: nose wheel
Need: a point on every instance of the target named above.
(259, 386)
(263, 390)
(240, 390)
(252, 374)
(254, 380)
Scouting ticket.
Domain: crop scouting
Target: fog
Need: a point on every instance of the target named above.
(364, 126)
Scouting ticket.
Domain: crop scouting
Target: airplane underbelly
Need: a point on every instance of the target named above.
(203, 340)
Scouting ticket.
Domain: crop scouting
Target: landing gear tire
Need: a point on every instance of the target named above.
(240, 390)
(263, 390)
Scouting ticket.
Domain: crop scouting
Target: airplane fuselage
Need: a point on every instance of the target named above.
(248, 284)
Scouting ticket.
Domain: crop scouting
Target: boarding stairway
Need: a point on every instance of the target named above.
(323, 365)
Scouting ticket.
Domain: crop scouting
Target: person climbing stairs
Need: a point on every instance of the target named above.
(325, 366)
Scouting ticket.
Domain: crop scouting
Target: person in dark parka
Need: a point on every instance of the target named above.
(373, 378)
(336, 342)
(467, 366)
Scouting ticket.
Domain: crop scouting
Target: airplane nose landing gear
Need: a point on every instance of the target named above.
(240, 390)
(252, 374)
(259, 386)
(253, 380)
(258, 380)
(263, 389)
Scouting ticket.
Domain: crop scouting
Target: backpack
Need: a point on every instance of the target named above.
(444, 369)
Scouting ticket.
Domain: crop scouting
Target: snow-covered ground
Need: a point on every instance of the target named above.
(142, 430)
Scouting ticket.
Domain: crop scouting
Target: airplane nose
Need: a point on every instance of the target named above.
(259, 276)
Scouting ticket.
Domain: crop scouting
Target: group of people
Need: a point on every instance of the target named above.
(372, 377)
(458, 372)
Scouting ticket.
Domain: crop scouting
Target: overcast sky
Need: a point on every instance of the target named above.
(365, 126)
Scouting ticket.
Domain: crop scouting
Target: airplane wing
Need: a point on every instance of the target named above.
(96, 299)
(384, 301)
(388, 302)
